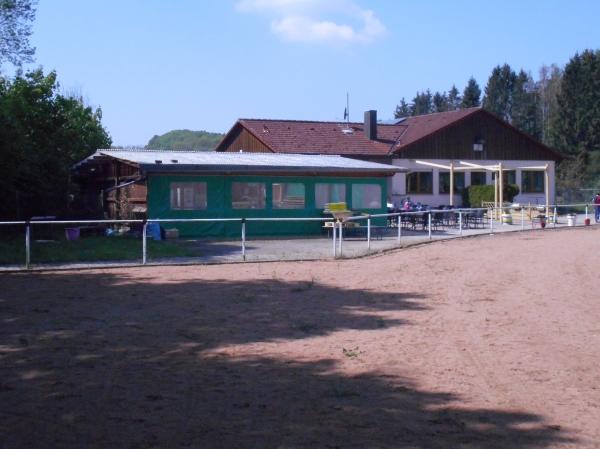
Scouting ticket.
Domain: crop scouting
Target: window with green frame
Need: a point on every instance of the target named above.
(248, 195)
(288, 195)
(188, 195)
(459, 182)
(532, 181)
(419, 182)
(366, 196)
(329, 193)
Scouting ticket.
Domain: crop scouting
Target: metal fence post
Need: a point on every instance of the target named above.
(429, 224)
(460, 226)
(334, 233)
(27, 246)
(554, 218)
(522, 219)
(369, 233)
(586, 212)
(491, 223)
(340, 237)
(144, 235)
(243, 239)
(399, 227)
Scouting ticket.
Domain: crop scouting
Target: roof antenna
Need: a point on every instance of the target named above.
(347, 110)
(347, 129)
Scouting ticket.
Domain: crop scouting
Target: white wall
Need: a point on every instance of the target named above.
(398, 192)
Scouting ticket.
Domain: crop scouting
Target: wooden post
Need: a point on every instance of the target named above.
(451, 183)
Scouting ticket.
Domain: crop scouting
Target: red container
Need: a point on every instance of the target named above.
(587, 221)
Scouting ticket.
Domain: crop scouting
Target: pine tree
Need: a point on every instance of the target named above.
(422, 103)
(576, 127)
(440, 102)
(498, 92)
(454, 99)
(402, 110)
(471, 94)
(525, 100)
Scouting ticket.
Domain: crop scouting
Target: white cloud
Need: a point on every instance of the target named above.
(313, 21)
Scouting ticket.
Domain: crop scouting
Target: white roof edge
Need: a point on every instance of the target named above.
(215, 158)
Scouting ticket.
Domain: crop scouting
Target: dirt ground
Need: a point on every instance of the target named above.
(488, 342)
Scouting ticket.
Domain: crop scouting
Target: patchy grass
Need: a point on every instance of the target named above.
(90, 249)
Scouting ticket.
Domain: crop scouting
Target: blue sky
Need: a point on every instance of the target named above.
(157, 65)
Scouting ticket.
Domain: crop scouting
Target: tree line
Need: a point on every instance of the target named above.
(561, 108)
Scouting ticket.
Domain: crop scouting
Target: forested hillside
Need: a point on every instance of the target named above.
(184, 139)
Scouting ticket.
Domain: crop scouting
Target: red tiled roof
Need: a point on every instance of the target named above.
(293, 136)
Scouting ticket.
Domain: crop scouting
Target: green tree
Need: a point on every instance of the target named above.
(42, 134)
(454, 99)
(440, 102)
(576, 127)
(402, 109)
(548, 87)
(184, 139)
(575, 130)
(471, 95)
(16, 17)
(525, 103)
(422, 103)
(499, 90)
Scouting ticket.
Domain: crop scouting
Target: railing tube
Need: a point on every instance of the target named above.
(491, 223)
(27, 245)
(369, 233)
(460, 225)
(554, 218)
(586, 212)
(244, 239)
(399, 227)
(144, 238)
(522, 219)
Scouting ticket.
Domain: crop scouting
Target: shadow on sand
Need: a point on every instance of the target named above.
(103, 360)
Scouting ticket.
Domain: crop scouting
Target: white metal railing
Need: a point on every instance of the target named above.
(337, 228)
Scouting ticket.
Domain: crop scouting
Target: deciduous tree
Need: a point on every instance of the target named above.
(16, 17)
(42, 134)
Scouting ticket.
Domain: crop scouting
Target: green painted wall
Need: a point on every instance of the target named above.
(219, 205)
